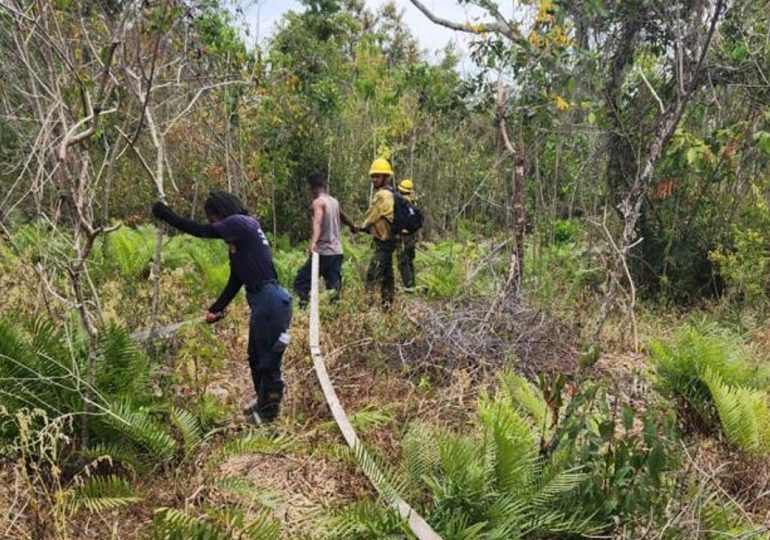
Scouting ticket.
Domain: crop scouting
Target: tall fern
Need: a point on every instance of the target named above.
(744, 413)
(710, 373)
(43, 366)
(130, 251)
(489, 484)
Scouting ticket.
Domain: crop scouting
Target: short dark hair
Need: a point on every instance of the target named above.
(223, 204)
(316, 180)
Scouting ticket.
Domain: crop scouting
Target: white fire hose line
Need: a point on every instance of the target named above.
(419, 526)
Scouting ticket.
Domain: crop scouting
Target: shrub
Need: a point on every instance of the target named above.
(42, 368)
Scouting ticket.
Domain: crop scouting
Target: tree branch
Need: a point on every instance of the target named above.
(194, 99)
(498, 27)
(500, 106)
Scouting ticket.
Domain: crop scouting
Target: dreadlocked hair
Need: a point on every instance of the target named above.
(223, 204)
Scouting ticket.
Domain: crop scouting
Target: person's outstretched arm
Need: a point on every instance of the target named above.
(226, 296)
(201, 230)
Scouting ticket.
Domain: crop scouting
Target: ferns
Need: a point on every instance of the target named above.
(252, 492)
(137, 426)
(173, 524)
(491, 485)
(130, 250)
(743, 413)
(42, 369)
(97, 494)
(368, 418)
(250, 519)
(189, 427)
(252, 443)
(123, 369)
(362, 520)
(709, 372)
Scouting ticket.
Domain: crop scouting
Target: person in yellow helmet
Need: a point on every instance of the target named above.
(377, 222)
(406, 242)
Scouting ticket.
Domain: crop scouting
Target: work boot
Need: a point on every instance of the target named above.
(251, 407)
(270, 395)
(253, 418)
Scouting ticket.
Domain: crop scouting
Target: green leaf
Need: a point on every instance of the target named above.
(656, 462)
(628, 417)
(740, 52)
(607, 429)
(763, 141)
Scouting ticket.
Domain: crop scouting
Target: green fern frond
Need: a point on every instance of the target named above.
(360, 520)
(122, 369)
(388, 481)
(743, 412)
(263, 526)
(98, 493)
(366, 419)
(252, 443)
(215, 271)
(189, 427)
(137, 426)
(218, 523)
(552, 489)
(130, 250)
(124, 454)
(173, 524)
(419, 458)
(249, 490)
(526, 397)
(514, 440)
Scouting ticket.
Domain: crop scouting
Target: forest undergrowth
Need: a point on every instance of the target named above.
(485, 413)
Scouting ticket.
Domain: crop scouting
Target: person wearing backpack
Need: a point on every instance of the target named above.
(406, 240)
(378, 222)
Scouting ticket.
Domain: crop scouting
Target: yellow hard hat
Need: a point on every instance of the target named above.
(406, 186)
(380, 166)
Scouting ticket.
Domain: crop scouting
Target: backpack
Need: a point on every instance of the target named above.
(406, 216)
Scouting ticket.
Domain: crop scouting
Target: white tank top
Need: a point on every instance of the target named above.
(329, 242)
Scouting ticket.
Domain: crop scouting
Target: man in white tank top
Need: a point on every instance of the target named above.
(326, 241)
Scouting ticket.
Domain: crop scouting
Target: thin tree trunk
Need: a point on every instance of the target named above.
(516, 268)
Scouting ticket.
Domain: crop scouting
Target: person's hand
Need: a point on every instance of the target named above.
(311, 248)
(212, 317)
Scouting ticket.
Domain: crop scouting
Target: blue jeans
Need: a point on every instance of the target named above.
(270, 317)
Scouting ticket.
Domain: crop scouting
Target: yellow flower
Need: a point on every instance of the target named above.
(560, 103)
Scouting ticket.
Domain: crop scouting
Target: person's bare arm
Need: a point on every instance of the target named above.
(347, 221)
(318, 215)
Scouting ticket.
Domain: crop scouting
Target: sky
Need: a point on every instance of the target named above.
(262, 15)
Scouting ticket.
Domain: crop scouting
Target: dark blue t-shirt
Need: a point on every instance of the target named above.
(251, 261)
(250, 254)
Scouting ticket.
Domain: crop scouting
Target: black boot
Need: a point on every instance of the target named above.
(268, 403)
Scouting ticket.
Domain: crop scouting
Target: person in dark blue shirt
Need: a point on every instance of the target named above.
(251, 266)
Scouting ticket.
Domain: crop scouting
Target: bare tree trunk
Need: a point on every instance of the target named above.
(520, 221)
(516, 267)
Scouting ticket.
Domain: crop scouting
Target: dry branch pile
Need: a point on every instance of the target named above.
(486, 335)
